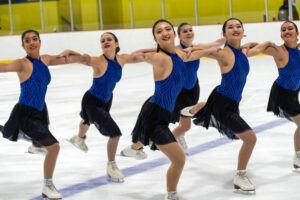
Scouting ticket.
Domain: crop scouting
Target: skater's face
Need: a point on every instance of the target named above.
(186, 34)
(31, 43)
(233, 30)
(289, 32)
(164, 34)
(108, 43)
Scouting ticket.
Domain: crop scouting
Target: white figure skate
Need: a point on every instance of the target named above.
(297, 160)
(114, 173)
(242, 183)
(185, 112)
(79, 143)
(172, 196)
(49, 191)
(181, 141)
(37, 150)
(130, 152)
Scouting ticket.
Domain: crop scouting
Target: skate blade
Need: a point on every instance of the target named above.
(47, 198)
(124, 155)
(238, 190)
(36, 153)
(75, 145)
(115, 180)
(137, 157)
(140, 157)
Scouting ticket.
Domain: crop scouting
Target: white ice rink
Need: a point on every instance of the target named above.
(208, 173)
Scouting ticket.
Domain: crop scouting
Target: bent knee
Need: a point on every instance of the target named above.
(53, 148)
(252, 137)
(180, 159)
(179, 162)
(248, 137)
(187, 127)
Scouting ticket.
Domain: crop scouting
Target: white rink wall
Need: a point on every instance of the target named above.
(129, 39)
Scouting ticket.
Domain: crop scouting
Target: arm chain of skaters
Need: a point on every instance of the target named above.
(190, 93)
(151, 127)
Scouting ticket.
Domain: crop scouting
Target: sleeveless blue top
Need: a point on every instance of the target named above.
(191, 75)
(233, 82)
(33, 90)
(103, 86)
(289, 76)
(167, 90)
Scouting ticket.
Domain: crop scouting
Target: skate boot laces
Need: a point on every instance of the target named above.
(172, 196)
(50, 191)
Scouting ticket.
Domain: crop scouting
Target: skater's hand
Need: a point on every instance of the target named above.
(188, 51)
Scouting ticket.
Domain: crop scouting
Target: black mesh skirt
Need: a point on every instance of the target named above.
(93, 111)
(152, 126)
(29, 123)
(283, 103)
(185, 98)
(222, 113)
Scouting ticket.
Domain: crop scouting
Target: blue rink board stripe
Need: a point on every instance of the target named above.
(140, 168)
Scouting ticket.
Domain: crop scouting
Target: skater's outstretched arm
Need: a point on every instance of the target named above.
(217, 43)
(197, 53)
(265, 47)
(15, 66)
